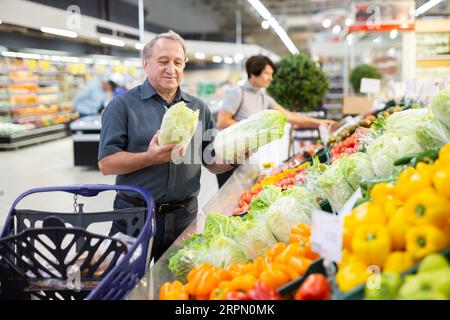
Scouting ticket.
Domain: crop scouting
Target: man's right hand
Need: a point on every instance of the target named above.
(159, 154)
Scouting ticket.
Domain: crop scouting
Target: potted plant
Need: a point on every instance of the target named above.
(298, 84)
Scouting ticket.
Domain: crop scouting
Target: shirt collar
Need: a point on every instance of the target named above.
(148, 91)
(249, 86)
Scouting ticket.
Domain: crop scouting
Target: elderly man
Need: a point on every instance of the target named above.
(129, 142)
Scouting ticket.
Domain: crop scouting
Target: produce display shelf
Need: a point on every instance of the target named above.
(33, 136)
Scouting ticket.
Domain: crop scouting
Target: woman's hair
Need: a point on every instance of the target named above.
(256, 64)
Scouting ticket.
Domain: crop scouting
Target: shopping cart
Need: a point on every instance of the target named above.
(62, 260)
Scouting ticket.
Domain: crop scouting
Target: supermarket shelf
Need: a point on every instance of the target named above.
(40, 139)
(334, 96)
(435, 57)
(34, 136)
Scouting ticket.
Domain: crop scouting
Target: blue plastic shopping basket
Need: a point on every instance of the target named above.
(62, 260)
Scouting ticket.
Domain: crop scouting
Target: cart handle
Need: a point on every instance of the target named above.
(86, 190)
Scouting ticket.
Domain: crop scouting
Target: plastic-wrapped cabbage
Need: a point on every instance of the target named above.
(178, 125)
(265, 198)
(293, 208)
(255, 237)
(356, 168)
(217, 223)
(194, 251)
(335, 186)
(224, 251)
(440, 106)
(428, 131)
(248, 135)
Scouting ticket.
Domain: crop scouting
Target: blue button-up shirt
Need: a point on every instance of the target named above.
(129, 123)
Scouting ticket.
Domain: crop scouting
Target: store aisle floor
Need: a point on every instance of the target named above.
(51, 164)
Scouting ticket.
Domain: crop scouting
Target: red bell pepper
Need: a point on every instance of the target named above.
(315, 287)
(261, 291)
(237, 296)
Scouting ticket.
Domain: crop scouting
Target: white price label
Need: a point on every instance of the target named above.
(348, 206)
(324, 133)
(370, 85)
(326, 235)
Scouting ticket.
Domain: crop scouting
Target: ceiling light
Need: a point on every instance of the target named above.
(283, 36)
(9, 54)
(265, 24)
(113, 42)
(228, 60)
(200, 56)
(262, 10)
(392, 52)
(59, 32)
(139, 46)
(238, 57)
(350, 39)
(326, 23)
(425, 7)
(336, 29)
(217, 59)
(348, 21)
(393, 34)
(378, 39)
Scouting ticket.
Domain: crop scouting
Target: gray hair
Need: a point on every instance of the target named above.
(167, 35)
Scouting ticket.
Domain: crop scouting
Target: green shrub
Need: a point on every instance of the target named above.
(299, 84)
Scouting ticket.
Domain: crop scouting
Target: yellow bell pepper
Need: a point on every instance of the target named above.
(441, 181)
(382, 192)
(444, 155)
(423, 240)
(366, 213)
(398, 226)
(351, 275)
(392, 206)
(398, 261)
(173, 291)
(427, 207)
(372, 244)
(411, 181)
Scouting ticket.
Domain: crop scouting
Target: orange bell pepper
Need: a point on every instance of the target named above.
(300, 233)
(276, 250)
(275, 275)
(240, 269)
(307, 252)
(173, 291)
(299, 264)
(204, 278)
(291, 250)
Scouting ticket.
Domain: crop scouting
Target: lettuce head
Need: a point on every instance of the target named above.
(178, 125)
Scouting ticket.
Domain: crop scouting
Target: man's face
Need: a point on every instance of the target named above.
(164, 68)
(264, 79)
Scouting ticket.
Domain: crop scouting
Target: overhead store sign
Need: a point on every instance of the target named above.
(382, 16)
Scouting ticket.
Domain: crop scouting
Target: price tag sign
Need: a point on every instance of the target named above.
(348, 206)
(326, 235)
(324, 133)
(370, 85)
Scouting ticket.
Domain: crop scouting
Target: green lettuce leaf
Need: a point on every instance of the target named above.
(178, 125)
(249, 134)
(440, 107)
